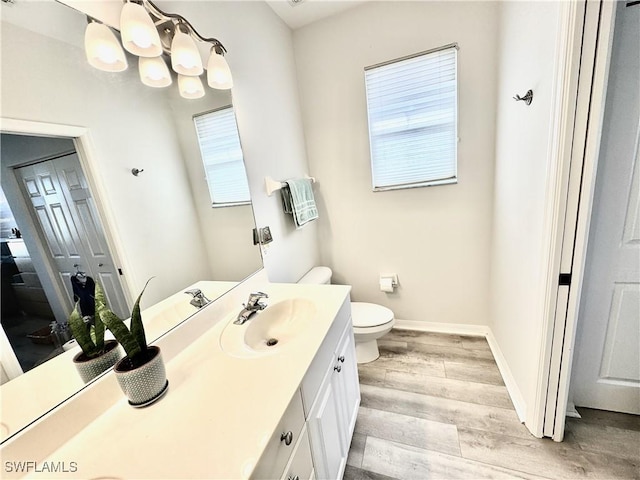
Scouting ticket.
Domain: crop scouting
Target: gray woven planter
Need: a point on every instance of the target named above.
(91, 368)
(145, 384)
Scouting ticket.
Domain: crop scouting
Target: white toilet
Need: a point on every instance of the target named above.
(370, 321)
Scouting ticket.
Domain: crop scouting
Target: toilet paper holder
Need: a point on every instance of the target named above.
(388, 283)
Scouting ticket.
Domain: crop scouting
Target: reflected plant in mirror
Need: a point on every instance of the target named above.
(97, 353)
(70, 140)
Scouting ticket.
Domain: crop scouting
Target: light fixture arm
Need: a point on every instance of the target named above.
(161, 15)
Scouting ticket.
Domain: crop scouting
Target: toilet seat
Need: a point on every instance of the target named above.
(369, 315)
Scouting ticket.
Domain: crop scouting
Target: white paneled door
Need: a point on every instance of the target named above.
(66, 214)
(606, 368)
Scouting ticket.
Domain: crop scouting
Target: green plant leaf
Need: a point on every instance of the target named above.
(80, 332)
(137, 327)
(100, 303)
(120, 331)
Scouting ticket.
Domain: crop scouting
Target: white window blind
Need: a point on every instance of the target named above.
(412, 107)
(222, 157)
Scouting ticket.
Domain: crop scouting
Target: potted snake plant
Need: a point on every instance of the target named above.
(141, 373)
(97, 354)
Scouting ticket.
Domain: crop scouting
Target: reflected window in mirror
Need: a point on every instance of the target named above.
(222, 157)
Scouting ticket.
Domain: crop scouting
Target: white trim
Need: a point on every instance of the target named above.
(509, 380)
(479, 331)
(564, 84)
(8, 359)
(449, 328)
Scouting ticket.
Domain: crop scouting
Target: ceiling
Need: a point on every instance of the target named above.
(303, 13)
(23, 13)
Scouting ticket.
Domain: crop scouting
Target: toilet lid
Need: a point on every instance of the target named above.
(369, 314)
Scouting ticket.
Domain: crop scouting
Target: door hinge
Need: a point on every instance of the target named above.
(120, 271)
(565, 279)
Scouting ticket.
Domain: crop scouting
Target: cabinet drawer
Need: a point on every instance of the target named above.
(301, 466)
(277, 453)
(325, 356)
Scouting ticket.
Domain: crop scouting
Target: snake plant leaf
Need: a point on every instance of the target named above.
(81, 333)
(100, 303)
(120, 331)
(137, 327)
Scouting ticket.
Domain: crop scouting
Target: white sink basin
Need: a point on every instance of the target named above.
(269, 330)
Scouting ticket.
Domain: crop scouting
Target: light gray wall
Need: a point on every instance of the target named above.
(522, 163)
(436, 239)
(267, 107)
(226, 231)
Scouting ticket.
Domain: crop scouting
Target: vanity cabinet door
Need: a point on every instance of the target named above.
(325, 429)
(349, 387)
(280, 447)
(300, 466)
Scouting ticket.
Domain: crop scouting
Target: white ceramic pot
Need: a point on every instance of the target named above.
(145, 384)
(90, 368)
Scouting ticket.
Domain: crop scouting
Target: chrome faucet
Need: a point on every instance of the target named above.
(252, 306)
(199, 300)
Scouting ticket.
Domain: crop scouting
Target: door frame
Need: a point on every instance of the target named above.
(580, 137)
(85, 150)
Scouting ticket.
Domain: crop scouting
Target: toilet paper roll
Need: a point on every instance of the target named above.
(386, 284)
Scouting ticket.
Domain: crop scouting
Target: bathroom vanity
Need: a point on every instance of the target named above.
(37, 391)
(233, 410)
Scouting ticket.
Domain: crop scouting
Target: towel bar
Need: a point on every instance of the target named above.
(273, 185)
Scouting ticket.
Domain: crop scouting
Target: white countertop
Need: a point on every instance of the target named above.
(37, 391)
(217, 415)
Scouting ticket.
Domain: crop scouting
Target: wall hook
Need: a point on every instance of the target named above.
(528, 97)
(135, 171)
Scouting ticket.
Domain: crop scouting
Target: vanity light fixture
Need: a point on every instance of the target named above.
(102, 49)
(190, 87)
(154, 72)
(185, 57)
(150, 33)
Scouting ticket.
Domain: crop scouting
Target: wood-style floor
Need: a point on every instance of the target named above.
(434, 406)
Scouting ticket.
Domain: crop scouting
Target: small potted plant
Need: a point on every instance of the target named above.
(97, 354)
(141, 373)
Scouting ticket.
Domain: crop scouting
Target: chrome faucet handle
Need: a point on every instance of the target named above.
(194, 292)
(254, 300)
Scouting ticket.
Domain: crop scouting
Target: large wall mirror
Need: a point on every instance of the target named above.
(64, 122)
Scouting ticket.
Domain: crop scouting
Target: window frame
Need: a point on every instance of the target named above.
(423, 183)
(204, 166)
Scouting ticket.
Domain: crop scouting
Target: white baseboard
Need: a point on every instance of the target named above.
(512, 387)
(475, 330)
(450, 328)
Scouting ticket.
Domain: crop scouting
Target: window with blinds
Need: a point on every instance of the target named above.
(413, 121)
(222, 157)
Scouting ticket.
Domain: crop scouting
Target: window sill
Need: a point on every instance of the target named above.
(230, 204)
(433, 183)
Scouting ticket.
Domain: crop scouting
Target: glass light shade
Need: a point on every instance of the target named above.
(190, 87)
(185, 57)
(139, 34)
(103, 49)
(218, 72)
(154, 72)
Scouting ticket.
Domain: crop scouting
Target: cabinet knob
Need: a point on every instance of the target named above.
(337, 368)
(101, 264)
(341, 358)
(287, 438)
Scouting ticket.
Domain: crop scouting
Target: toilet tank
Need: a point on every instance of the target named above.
(317, 275)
